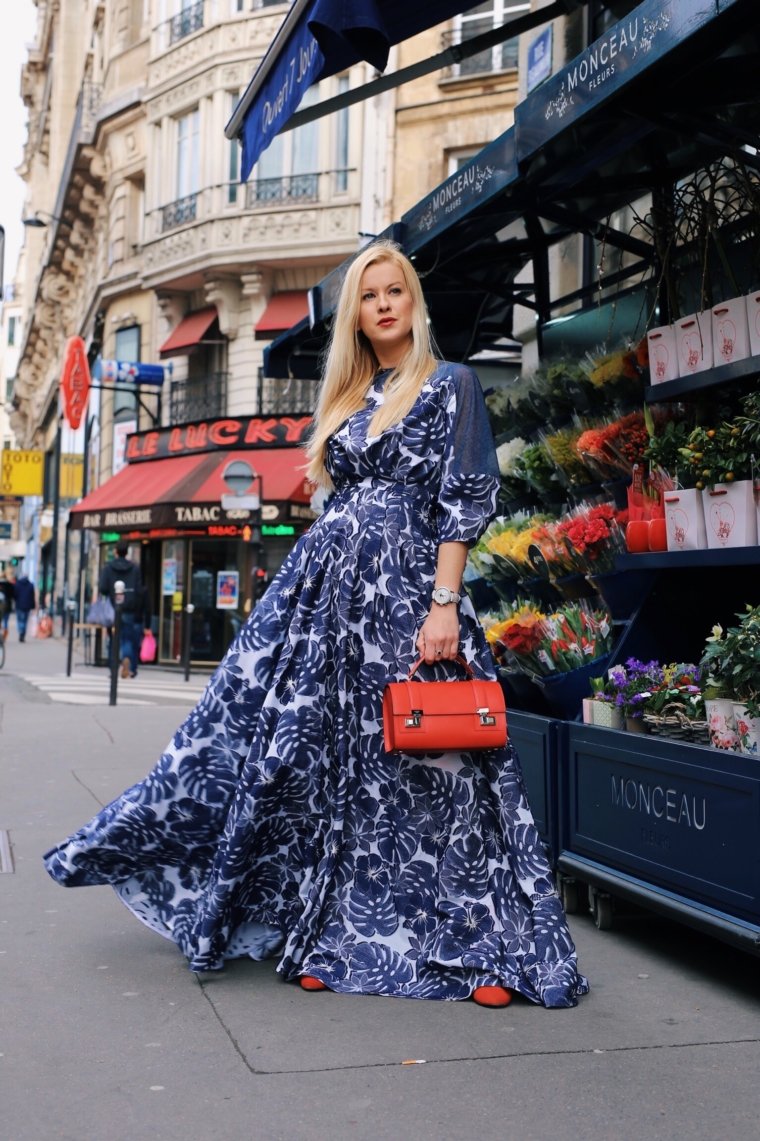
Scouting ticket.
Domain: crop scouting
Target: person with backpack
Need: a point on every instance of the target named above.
(135, 616)
(25, 600)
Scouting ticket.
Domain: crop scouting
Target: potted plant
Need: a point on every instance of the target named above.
(733, 660)
(722, 460)
(676, 707)
(631, 686)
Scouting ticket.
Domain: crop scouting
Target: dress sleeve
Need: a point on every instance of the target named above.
(470, 478)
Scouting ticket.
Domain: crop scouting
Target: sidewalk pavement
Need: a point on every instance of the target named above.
(106, 1036)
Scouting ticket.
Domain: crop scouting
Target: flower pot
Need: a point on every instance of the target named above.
(753, 320)
(606, 715)
(637, 536)
(635, 725)
(574, 586)
(565, 692)
(695, 344)
(685, 520)
(730, 515)
(617, 489)
(747, 730)
(658, 535)
(730, 329)
(663, 354)
(720, 719)
(622, 591)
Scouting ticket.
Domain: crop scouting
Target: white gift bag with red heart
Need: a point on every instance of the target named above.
(695, 344)
(685, 520)
(663, 354)
(730, 515)
(730, 331)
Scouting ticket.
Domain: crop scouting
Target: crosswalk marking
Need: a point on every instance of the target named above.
(95, 690)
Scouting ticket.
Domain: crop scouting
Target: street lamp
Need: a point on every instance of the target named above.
(36, 223)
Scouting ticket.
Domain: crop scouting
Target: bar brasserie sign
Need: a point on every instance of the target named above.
(218, 435)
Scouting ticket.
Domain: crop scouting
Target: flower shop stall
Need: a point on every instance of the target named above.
(619, 585)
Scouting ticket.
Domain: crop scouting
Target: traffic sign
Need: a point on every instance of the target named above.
(21, 473)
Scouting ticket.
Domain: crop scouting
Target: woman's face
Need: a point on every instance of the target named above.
(385, 312)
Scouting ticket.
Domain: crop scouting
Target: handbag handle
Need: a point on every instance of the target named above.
(465, 665)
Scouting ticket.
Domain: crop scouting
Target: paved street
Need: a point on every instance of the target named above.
(106, 1036)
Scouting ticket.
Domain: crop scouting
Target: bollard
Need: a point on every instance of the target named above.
(72, 606)
(188, 636)
(118, 598)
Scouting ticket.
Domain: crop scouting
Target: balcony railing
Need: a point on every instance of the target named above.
(186, 22)
(198, 398)
(287, 188)
(179, 212)
(286, 397)
(500, 58)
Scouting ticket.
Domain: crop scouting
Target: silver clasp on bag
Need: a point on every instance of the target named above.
(415, 721)
(484, 717)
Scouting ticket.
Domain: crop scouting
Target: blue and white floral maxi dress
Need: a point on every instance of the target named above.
(275, 822)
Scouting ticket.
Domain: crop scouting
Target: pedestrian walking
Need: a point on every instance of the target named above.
(7, 592)
(135, 612)
(275, 823)
(25, 600)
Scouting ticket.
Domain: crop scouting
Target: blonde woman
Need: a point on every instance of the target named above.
(275, 823)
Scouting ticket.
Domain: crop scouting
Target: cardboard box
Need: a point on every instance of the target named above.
(663, 354)
(730, 331)
(730, 515)
(695, 344)
(685, 520)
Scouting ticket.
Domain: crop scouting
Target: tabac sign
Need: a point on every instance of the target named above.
(75, 382)
(219, 435)
(626, 51)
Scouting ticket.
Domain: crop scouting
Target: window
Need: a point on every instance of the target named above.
(458, 159)
(188, 136)
(9, 388)
(289, 168)
(602, 16)
(233, 168)
(475, 23)
(127, 349)
(305, 141)
(341, 140)
(12, 330)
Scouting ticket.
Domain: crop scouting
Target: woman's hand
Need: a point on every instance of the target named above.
(439, 636)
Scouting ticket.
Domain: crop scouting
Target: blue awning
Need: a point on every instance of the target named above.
(319, 38)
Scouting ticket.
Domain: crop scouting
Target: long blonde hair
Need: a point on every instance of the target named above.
(351, 362)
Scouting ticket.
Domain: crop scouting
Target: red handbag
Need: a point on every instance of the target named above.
(444, 716)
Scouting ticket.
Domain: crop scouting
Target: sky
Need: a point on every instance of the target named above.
(18, 27)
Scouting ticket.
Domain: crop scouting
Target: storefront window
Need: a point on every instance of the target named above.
(172, 598)
(218, 592)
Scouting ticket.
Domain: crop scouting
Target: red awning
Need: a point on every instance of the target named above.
(190, 331)
(282, 312)
(145, 495)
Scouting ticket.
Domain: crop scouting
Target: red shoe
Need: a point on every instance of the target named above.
(309, 983)
(489, 995)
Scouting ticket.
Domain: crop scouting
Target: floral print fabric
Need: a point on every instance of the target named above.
(276, 824)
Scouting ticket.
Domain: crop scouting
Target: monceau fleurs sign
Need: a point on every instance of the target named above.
(627, 50)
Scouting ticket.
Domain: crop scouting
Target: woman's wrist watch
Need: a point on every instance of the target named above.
(443, 596)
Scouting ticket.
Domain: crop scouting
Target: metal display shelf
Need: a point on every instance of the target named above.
(677, 560)
(672, 826)
(691, 386)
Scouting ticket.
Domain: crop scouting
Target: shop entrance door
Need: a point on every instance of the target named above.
(172, 600)
(217, 591)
